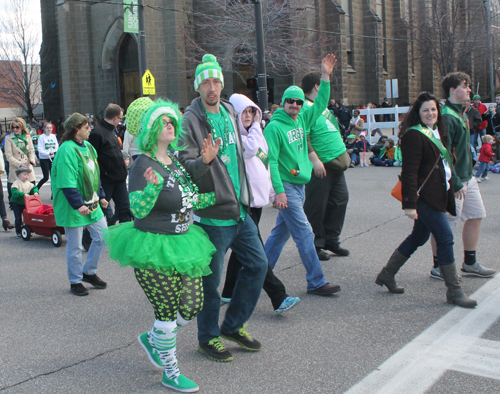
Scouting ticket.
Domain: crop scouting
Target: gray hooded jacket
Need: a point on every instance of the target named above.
(213, 177)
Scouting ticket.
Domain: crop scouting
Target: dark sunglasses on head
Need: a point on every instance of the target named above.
(294, 101)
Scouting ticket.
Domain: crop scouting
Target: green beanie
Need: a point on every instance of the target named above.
(476, 96)
(135, 112)
(351, 136)
(208, 69)
(293, 92)
(73, 120)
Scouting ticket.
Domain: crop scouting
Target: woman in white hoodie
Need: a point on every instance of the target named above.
(257, 166)
(47, 148)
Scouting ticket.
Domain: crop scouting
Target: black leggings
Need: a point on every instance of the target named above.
(169, 294)
(46, 165)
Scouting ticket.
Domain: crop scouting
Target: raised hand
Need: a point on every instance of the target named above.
(210, 150)
(328, 64)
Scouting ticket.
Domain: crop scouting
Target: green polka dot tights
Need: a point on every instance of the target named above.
(169, 294)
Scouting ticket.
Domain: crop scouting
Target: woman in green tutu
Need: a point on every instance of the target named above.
(169, 257)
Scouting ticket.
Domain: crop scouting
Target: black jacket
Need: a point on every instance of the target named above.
(419, 155)
(109, 153)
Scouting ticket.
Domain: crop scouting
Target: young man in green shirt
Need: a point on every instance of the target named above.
(469, 203)
(290, 171)
(326, 192)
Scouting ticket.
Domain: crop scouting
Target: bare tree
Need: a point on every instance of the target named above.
(227, 28)
(19, 65)
(447, 31)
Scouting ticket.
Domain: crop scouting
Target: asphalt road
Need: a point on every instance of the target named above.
(363, 340)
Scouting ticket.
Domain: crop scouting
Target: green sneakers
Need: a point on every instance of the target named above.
(150, 350)
(244, 339)
(180, 383)
(215, 350)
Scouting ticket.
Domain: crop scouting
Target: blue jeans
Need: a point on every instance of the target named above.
(430, 222)
(482, 170)
(242, 238)
(383, 163)
(293, 221)
(354, 158)
(74, 250)
(473, 138)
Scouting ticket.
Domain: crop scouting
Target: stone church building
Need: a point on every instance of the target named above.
(88, 61)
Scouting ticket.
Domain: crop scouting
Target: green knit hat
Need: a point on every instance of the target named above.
(209, 68)
(135, 112)
(73, 120)
(293, 92)
(476, 96)
(351, 137)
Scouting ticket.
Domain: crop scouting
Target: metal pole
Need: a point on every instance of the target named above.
(142, 43)
(490, 49)
(261, 62)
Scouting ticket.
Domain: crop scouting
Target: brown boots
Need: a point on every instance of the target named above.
(455, 294)
(7, 225)
(386, 276)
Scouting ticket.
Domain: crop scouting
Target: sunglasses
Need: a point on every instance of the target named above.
(294, 101)
(249, 111)
(16, 127)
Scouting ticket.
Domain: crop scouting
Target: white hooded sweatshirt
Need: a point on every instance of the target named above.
(253, 139)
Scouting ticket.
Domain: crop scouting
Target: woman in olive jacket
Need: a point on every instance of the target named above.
(427, 196)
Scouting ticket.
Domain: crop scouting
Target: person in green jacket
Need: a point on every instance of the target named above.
(470, 207)
(290, 171)
(78, 198)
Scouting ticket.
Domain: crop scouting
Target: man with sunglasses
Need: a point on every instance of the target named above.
(290, 170)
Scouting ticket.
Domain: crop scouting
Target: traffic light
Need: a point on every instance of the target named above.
(252, 83)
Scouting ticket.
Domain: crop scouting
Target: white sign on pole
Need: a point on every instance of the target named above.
(391, 88)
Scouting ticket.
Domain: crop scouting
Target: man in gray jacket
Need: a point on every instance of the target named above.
(227, 223)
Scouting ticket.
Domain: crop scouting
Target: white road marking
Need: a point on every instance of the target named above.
(452, 343)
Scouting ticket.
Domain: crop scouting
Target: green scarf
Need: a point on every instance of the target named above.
(429, 134)
(21, 143)
(449, 111)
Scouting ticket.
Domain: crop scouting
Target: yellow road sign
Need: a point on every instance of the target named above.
(148, 84)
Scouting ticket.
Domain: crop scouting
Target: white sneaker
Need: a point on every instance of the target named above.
(436, 273)
(485, 178)
(478, 180)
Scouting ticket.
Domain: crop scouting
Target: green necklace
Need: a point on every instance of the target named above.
(185, 181)
(225, 133)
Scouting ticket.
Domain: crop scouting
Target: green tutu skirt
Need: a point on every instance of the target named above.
(188, 254)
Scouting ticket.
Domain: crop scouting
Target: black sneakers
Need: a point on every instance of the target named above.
(95, 281)
(79, 290)
(215, 350)
(325, 290)
(322, 255)
(243, 338)
(337, 250)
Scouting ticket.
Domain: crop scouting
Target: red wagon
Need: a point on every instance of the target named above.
(40, 223)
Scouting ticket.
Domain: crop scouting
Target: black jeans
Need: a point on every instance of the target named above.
(46, 165)
(117, 192)
(274, 288)
(3, 212)
(325, 207)
(18, 214)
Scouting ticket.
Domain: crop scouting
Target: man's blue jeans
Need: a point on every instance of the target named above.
(245, 243)
(430, 222)
(293, 221)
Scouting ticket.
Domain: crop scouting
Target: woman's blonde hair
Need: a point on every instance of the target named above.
(19, 121)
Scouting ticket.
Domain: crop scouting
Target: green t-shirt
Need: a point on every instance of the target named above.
(230, 159)
(325, 135)
(76, 167)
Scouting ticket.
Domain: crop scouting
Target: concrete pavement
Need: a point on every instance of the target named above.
(54, 342)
